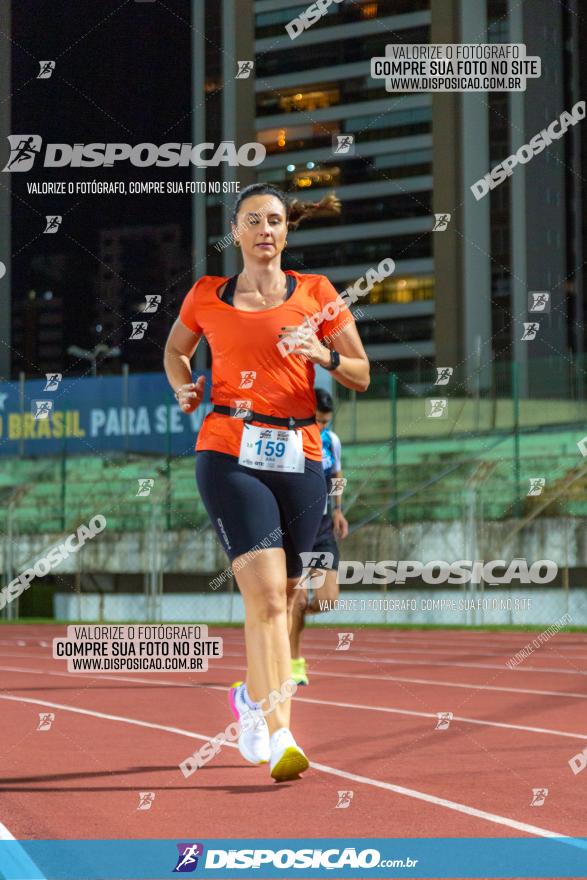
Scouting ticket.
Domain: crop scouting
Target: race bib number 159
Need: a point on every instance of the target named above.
(272, 449)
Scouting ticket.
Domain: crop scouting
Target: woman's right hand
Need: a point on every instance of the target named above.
(190, 396)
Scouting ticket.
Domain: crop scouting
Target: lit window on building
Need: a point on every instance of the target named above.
(316, 177)
(308, 101)
(296, 136)
(369, 10)
(402, 290)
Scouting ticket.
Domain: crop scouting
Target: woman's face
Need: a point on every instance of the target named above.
(261, 229)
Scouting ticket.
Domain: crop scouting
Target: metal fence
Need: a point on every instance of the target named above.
(419, 487)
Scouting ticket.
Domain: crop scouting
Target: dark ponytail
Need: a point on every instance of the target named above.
(295, 210)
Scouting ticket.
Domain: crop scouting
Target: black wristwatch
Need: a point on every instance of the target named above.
(334, 361)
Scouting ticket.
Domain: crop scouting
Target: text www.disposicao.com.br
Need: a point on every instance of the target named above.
(142, 664)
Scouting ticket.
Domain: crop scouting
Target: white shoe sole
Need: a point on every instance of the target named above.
(290, 764)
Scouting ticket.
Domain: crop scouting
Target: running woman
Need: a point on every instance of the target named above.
(323, 567)
(258, 453)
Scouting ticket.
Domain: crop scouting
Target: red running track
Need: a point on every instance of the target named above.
(367, 722)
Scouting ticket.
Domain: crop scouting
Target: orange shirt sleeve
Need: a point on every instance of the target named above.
(188, 310)
(336, 314)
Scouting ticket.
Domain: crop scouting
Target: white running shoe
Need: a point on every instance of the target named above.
(287, 758)
(253, 741)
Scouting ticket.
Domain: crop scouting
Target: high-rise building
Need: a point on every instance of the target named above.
(136, 262)
(458, 297)
(523, 236)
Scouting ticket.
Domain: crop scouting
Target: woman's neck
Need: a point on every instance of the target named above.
(265, 278)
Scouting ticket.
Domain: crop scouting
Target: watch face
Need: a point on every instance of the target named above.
(334, 360)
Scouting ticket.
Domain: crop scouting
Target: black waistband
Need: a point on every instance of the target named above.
(252, 416)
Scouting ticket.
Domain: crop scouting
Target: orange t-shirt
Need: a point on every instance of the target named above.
(243, 342)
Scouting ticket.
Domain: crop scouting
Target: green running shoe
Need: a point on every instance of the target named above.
(299, 673)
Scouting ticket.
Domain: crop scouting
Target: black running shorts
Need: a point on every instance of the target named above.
(325, 543)
(254, 509)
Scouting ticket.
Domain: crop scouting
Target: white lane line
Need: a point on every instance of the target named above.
(366, 648)
(442, 664)
(318, 638)
(479, 721)
(336, 704)
(443, 802)
(318, 645)
(523, 667)
(16, 862)
(345, 675)
(115, 677)
(452, 684)
(475, 687)
(324, 768)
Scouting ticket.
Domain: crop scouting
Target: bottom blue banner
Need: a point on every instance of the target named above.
(306, 858)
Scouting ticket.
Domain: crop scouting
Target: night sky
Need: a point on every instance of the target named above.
(122, 74)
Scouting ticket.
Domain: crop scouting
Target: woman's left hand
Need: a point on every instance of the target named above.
(339, 524)
(307, 344)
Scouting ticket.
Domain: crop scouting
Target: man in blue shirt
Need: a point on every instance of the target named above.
(325, 555)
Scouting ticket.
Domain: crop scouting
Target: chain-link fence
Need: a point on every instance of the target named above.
(437, 468)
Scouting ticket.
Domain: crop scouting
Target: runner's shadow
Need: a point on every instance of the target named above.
(64, 777)
(228, 789)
